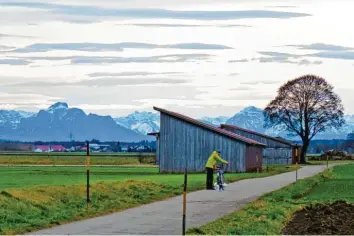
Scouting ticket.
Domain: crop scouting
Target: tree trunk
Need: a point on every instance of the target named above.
(305, 146)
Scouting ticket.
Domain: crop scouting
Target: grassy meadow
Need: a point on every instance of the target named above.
(23, 177)
(79, 158)
(33, 198)
(76, 158)
(269, 214)
(113, 154)
(329, 162)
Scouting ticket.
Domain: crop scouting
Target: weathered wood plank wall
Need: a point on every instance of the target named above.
(275, 152)
(157, 150)
(183, 145)
(276, 160)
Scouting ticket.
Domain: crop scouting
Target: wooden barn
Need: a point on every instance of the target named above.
(184, 142)
(278, 151)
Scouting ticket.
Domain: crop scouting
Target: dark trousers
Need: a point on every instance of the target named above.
(210, 178)
(220, 183)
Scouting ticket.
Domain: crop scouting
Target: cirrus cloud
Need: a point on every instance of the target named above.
(95, 11)
(186, 25)
(321, 47)
(15, 62)
(168, 58)
(104, 47)
(102, 82)
(135, 73)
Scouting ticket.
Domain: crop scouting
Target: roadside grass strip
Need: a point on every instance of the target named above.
(42, 197)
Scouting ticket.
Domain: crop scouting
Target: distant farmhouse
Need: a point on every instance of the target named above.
(184, 142)
(49, 148)
(278, 150)
(100, 147)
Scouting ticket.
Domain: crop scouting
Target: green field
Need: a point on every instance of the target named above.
(79, 158)
(21, 177)
(269, 214)
(340, 186)
(329, 162)
(38, 197)
(126, 154)
(69, 159)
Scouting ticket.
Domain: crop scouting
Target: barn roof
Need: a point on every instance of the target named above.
(209, 127)
(256, 133)
(153, 133)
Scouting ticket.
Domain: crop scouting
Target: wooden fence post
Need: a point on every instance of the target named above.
(184, 202)
(296, 153)
(296, 171)
(327, 160)
(87, 174)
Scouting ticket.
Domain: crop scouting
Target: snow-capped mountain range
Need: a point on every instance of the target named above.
(251, 118)
(60, 123)
(148, 122)
(140, 122)
(13, 118)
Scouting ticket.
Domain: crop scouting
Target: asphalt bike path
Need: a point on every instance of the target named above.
(165, 217)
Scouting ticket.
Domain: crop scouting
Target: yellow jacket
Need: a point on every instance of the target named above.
(213, 159)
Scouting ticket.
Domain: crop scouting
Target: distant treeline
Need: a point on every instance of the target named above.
(320, 146)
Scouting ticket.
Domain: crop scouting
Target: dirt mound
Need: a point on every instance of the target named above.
(323, 219)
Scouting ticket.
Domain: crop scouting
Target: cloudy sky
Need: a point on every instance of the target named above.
(208, 58)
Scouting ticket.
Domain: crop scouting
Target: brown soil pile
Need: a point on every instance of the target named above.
(323, 219)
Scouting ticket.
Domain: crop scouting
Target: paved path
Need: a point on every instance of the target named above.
(165, 217)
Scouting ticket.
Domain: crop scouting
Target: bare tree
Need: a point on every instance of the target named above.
(306, 106)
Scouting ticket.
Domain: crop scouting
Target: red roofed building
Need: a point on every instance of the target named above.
(58, 148)
(49, 148)
(42, 148)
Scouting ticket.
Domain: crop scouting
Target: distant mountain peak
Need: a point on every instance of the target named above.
(58, 105)
(140, 122)
(143, 114)
(250, 117)
(217, 121)
(251, 109)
